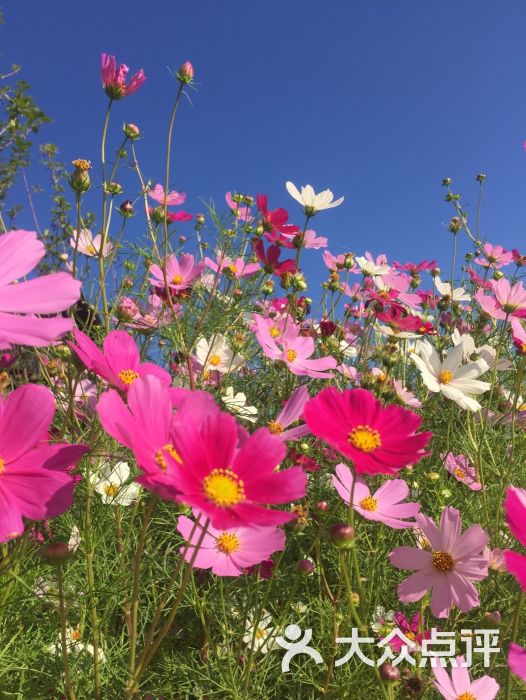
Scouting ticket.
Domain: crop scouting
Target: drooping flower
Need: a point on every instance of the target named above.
(290, 413)
(119, 362)
(459, 685)
(237, 404)
(515, 507)
(34, 479)
(456, 381)
(217, 356)
(517, 660)
(171, 199)
(312, 202)
(379, 440)
(384, 506)
(114, 78)
(180, 273)
(448, 570)
(229, 552)
(111, 482)
(87, 244)
(20, 252)
(461, 468)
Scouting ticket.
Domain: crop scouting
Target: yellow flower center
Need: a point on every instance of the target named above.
(82, 164)
(2, 465)
(160, 460)
(467, 696)
(522, 407)
(381, 376)
(177, 279)
(224, 488)
(369, 503)
(128, 376)
(523, 348)
(111, 490)
(443, 561)
(364, 438)
(445, 376)
(275, 332)
(291, 355)
(233, 268)
(75, 635)
(410, 635)
(215, 360)
(227, 542)
(275, 428)
(459, 473)
(261, 633)
(91, 249)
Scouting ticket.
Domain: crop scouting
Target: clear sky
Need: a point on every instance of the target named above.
(376, 99)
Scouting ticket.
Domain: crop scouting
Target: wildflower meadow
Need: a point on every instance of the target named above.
(218, 481)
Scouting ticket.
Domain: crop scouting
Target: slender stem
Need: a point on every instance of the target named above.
(514, 633)
(63, 634)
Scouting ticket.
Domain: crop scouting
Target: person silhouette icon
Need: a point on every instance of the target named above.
(293, 633)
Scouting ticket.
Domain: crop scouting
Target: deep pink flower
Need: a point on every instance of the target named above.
(157, 215)
(459, 685)
(410, 630)
(413, 268)
(171, 199)
(270, 259)
(384, 505)
(34, 478)
(461, 468)
(276, 219)
(295, 352)
(20, 253)
(119, 362)
(399, 320)
(506, 301)
(515, 507)
(517, 660)
(448, 570)
(379, 440)
(494, 256)
(290, 413)
(114, 78)
(228, 552)
(180, 273)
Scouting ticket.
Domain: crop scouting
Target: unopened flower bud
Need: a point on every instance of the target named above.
(480, 177)
(498, 275)
(113, 188)
(433, 476)
(131, 131)
(304, 447)
(342, 535)
(455, 224)
(248, 199)
(186, 73)
(63, 257)
(322, 506)
(435, 272)
(126, 208)
(56, 552)
(182, 239)
(125, 313)
(348, 261)
(268, 287)
(447, 181)
(493, 618)
(389, 673)
(306, 566)
(200, 219)
(80, 180)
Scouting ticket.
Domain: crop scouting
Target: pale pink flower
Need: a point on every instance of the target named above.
(459, 685)
(87, 244)
(405, 395)
(507, 300)
(494, 256)
(171, 199)
(461, 468)
(333, 262)
(181, 272)
(234, 267)
(448, 570)
(384, 506)
(236, 209)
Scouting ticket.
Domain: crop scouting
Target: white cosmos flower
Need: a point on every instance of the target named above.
(456, 382)
(88, 244)
(486, 352)
(74, 643)
(238, 404)
(459, 293)
(74, 539)
(263, 634)
(369, 267)
(110, 482)
(311, 201)
(217, 356)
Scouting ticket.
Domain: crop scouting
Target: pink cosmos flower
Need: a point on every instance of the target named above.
(384, 505)
(148, 318)
(171, 199)
(309, 239)
(405, 395)
(229, 476)
(270, 259)
(180, 273)
(517, 660)
(462, 469)
(157, 215)
(119, 363)
(276, 219)
(114, 78)
(413, 269)
(378, 440)
(518, 258)
(290, 413)
(87, 244)
(459, 686)
(20, 253)
(507, 300)
(333, 262)
(34, 478)
(518, 334)
(229, 552)
(494, 256)
(236, 209)
(235, 268)
(295, 353)
(448, 570)
(515, 506)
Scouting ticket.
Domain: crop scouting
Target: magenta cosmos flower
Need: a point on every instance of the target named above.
(384, 505)
(459, 685)
(494, 256)
(448, 568)
(34, 478)
(379, 440)
(114, 78)
(229, 552)
(517, 660)
(180, 273)
(119, 362)
(515, 506)
(20, 253)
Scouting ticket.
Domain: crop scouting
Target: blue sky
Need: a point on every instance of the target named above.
(376, 100)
